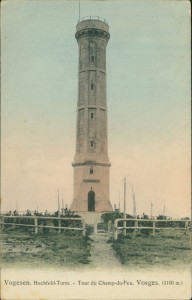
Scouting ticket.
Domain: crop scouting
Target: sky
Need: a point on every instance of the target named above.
(148, 94)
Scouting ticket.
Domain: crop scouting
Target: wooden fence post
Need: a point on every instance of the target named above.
(36, 225)
(59, 223)
(124, 228)
(109, 228)
(83, 224)
(116, 230)
(13, 226)
(2, 223)
(95, 230)
(136, 225)
(153, 228)
(186, 227)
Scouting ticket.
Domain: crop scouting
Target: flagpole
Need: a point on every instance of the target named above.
(62, 207)
(134, 204)
(164, 211)
(124, 211)
(58, 205)
(151, 210)
(124, 208)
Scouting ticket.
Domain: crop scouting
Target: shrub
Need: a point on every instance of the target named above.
(112, 216)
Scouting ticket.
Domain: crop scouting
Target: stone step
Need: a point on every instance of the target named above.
(90, 217)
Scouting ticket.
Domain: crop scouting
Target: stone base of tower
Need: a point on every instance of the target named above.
(91, 188)
(90, 217)
(81, 205)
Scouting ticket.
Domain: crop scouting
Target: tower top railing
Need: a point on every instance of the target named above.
(92, 18)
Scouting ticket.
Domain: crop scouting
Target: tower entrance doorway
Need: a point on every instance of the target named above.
(91, 201)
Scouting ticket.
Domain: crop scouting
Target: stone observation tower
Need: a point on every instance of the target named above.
(91, 163)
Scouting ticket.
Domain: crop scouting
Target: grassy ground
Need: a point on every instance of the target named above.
(168, 249)
(52, 249)
(23, 249)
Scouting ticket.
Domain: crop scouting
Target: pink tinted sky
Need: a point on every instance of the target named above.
(148, 88)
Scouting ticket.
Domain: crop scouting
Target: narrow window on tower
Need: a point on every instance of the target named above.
(92, 144)
(91, 115)
(92, 58)
(91, 170)
(92, 86)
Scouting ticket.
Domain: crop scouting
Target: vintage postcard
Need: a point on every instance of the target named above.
(95, 156)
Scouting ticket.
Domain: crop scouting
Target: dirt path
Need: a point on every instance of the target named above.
(102, 254)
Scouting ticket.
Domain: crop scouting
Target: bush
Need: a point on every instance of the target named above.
(112, 216)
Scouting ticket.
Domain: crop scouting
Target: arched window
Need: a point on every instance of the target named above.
(91, 201)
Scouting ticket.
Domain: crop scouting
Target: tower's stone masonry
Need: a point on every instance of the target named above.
(91, 162)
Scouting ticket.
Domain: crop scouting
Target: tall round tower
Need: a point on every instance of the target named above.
(91, 163)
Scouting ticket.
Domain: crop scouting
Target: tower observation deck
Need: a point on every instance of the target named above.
(91, 163)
